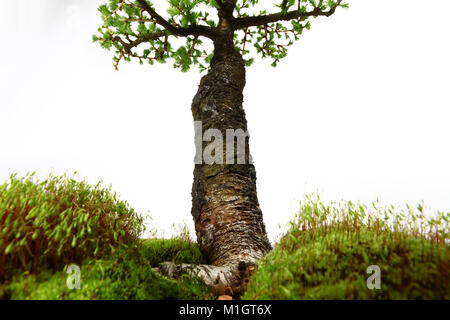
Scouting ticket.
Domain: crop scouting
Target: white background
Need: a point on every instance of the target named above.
(358, 110)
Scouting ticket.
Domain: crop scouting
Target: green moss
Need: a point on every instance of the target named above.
(327, 250)
(157, 251)
(45, 224)
(325, 254)
(127, 275)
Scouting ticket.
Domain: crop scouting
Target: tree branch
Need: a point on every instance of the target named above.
(132, 44)
(192, 30)
(254, 21)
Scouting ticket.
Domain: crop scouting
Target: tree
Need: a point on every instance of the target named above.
(227, 216)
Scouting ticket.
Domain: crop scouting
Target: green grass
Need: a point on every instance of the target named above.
(328, 248)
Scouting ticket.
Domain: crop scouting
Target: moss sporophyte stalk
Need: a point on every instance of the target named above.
(331, 251)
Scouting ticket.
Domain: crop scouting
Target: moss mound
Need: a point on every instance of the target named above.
(326, 253)
(47, 226)
(127, 274)
(60, 220)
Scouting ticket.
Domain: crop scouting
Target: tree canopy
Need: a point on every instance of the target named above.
(135, 29)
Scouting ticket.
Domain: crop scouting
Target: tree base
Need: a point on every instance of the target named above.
(218, 278)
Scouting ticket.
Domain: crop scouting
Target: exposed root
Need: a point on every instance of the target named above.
(220, 279)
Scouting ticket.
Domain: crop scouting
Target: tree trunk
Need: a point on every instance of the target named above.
(225, 208)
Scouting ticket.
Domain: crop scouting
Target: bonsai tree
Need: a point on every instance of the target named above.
(221, 37)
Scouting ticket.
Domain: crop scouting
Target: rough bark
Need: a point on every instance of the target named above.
(225, 208)
(227, 216)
